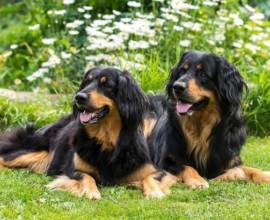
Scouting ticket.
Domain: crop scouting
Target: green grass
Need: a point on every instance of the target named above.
(23, 196)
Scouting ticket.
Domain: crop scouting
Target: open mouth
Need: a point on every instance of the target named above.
(93, 116)
(183, 107)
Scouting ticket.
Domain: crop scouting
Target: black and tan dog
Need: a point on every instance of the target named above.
(199, 130)
(100, 142)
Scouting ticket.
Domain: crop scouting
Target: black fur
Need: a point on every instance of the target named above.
(69, 136)
(167, 142)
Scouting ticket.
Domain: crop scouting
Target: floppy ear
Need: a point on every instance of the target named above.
(174, 74)
(131, 101)
(230, 82)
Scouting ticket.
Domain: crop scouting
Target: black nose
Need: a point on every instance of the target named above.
(81, 98)
(179, 87)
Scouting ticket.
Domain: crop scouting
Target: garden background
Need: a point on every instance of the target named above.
(45, 47)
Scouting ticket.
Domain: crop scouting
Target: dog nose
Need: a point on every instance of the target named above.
(179, 87)
(81, 98)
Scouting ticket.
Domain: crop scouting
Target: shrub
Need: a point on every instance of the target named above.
(46, 45)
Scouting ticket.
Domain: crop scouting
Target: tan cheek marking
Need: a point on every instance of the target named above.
(99, 100)
(108, 129)
(197, 128)
(197, 92)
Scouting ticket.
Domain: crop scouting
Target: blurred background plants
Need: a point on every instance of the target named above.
(45, 46)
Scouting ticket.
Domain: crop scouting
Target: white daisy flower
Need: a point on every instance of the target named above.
(13, 46)
(184, 43)
(134, 4)
(68, 2)
(48, 41)
(34, 27)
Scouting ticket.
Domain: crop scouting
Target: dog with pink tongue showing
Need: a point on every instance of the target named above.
(184, 108)
(99, 143)
(85, 116)
(199, 128)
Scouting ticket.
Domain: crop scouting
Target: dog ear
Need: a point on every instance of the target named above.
(174, 74)
(230, 82)
(131, 101)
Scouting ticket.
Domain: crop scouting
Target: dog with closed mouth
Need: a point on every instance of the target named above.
(100, 142)
(198, 130)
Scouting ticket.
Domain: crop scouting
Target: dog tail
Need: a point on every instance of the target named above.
(24, 148)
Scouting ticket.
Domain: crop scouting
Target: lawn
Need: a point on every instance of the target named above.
(23, 196)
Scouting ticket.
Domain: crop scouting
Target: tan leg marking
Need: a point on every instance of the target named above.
(236, 173)
(85, 187)
(35, 161)
(2, 164)
(147, 179)
(245, 173)
(141, 173)
(81, 165)
(256, 175)
(167, 181)
(190, 177)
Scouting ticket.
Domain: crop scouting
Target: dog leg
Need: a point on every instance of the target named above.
(35, 161)
(2, 166)
(86, 186)
(153, 183)
(233, 174)
(246, 174)
(190, 177)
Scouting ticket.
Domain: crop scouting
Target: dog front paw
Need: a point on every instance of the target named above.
(197, 183)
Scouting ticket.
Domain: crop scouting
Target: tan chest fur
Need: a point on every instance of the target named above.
(107, 131)
(197, 130)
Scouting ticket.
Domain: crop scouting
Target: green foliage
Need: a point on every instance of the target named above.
(39, 113)
(147, 40)
(257, 105)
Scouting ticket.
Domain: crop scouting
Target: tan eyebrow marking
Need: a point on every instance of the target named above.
(90, 76)
(199, 66)
(186, 66)
(103, 79)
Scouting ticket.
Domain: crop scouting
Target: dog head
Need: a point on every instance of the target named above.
(106, 90)
(201, 79)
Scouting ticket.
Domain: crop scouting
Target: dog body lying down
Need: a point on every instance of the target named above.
(198, 129)
(100, 142)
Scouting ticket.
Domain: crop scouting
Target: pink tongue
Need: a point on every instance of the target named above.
(183, 107)
(85, 116)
